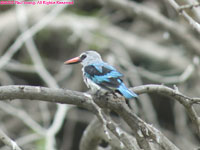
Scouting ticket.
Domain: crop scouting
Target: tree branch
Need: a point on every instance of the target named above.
(24, 117)
(94, 134)
(186, 101)
(183, 77)
(189, 6)
(140, 128)
(29, 33)
(143, 132)
(177, 31)
(54, 95)
(191, 21)
(9, 142)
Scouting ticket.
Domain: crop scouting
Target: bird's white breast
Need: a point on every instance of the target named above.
(90, 84)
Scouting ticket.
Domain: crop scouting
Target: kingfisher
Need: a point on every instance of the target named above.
(100, 76)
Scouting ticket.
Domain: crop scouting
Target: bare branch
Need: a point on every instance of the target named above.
(178, 31)
(93, 134)
(188, 72)
(24, 117)
(145, 49)
(91, 137)
(195, 10)
(29, 33)
(107, 125)
(18, 67)
(8, 141)
(191, 21)
(81, 99)
(102, 118)
(54, 95)
(189, 6)
(184, 100)
(143, 132)
(25, 140)
(47, 78)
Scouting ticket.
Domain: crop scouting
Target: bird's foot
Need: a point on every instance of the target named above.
(107, 93)
(112, 93)
(115, 95)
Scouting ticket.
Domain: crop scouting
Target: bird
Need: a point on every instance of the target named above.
(100, 76)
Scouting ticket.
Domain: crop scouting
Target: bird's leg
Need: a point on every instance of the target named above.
(111, 93)
(107, 93)
(114, 93)
(128, 103)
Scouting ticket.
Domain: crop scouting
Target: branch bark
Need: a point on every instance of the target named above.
(9, 142)
(178, 31)
(144, 132)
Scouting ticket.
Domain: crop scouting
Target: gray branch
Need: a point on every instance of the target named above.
(143, 132)
(8, 141)
(186, 101)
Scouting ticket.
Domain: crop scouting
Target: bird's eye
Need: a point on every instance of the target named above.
(83, 56)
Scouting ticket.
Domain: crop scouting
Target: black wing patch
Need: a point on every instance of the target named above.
(92, 70)
(112, 84)
(104, 77)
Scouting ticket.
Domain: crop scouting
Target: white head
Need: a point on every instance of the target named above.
(90, 57)
(86, 58)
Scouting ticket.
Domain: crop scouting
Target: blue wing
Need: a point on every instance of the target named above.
(103, 74)
(108, 78)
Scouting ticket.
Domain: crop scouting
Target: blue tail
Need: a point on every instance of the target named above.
(126, 92)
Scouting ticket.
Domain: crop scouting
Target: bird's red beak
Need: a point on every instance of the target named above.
(73, 61)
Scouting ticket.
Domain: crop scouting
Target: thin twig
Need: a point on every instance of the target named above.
(188, 72)
(23, 116)
(191, 21)
(26, 140)
(46, 76)
(8, 141)
(29, 33)
(80, 99)
(184, 100)
(93, 134)
(189, 6)
(102, 118)
(177, 31)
